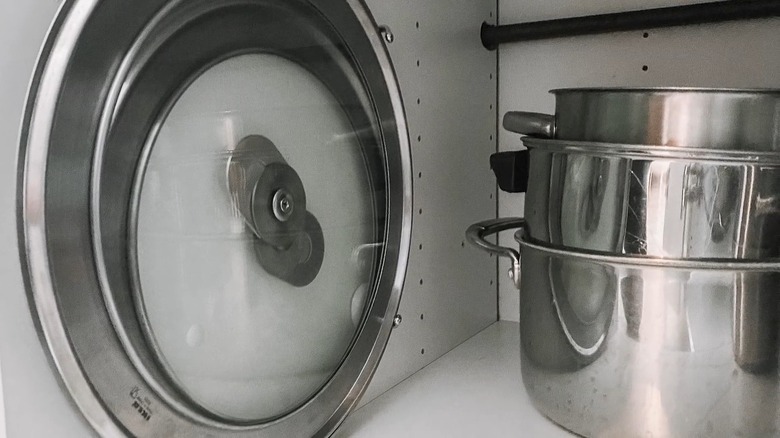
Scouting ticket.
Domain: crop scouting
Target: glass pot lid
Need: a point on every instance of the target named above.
(215, 212)
(255, 252)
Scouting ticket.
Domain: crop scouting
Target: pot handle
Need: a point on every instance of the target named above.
(533, 124)
(475, 234)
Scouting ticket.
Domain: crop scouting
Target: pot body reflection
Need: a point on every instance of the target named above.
(683, 204)
(626, 349)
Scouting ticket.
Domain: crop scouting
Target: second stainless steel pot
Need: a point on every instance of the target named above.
(652, 200)
(633, 346)
(736, 119)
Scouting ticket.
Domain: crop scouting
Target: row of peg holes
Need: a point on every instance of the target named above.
(419, 175)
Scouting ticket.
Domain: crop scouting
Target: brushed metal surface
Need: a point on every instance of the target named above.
(733, 119)
(617, 345)
(650, 200)
(29, 385)
(620, 348)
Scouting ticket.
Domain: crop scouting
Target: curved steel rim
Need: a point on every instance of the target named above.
(31, 222)
(651, 90)
(619, 150)
(48, 78)
(648, 262)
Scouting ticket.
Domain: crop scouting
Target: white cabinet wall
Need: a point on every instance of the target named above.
(448, 84)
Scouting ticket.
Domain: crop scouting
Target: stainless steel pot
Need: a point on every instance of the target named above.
(654, 200)
(691, 117)
(649, 288)
(615, 345)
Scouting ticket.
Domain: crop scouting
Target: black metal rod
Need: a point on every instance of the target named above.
(714, 12)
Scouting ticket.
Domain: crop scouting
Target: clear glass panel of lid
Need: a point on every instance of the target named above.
(257, 237)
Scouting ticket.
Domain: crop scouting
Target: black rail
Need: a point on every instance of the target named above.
(713, 12)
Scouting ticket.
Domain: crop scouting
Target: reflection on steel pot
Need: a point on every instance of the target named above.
(747, 120)
(616, 345)
(652, 200)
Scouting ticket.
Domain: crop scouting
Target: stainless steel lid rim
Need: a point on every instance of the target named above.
(36, 187)
(733, 155)
(33, 149)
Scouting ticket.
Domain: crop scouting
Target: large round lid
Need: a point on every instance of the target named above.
(215, 212)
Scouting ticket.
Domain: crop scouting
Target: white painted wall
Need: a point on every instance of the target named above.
(2, 405)
(740, 54)
(448, 84)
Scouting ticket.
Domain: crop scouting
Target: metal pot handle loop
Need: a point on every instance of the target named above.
(533, 124)
(476, 233)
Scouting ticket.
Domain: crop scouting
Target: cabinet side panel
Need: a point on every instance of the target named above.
(448, 83)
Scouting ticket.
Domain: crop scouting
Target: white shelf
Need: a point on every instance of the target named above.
(474, 390)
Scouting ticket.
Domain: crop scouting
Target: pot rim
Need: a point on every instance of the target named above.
(642, 261)
(622, 150)
(658, 90)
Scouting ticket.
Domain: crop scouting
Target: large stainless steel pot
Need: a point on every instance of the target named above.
(615, 345)
(649, 288)
(689, 117)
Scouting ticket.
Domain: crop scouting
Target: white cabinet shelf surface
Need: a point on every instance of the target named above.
(475, 390)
